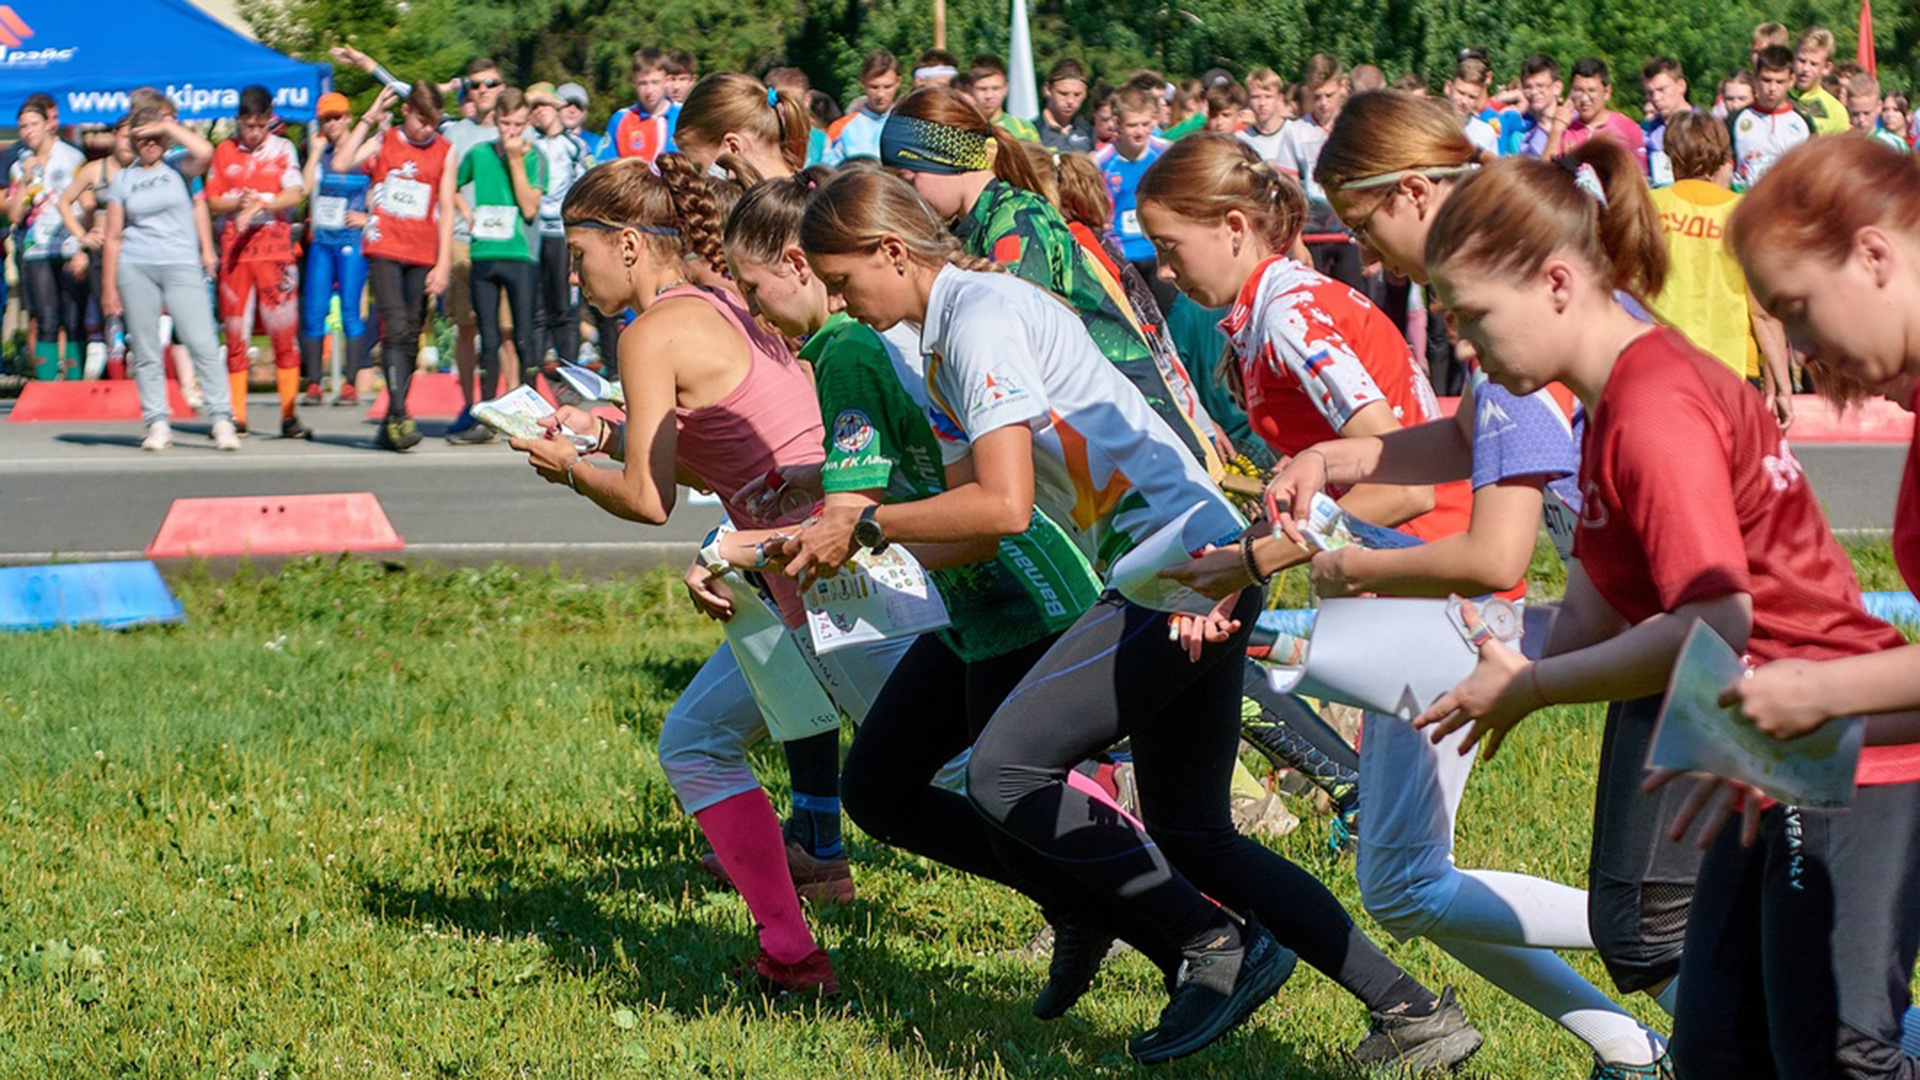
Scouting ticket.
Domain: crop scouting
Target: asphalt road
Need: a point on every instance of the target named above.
(80, 491)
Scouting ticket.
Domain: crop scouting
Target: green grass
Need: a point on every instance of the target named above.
(353, 821)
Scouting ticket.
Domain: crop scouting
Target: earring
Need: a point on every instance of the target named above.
(900, 267)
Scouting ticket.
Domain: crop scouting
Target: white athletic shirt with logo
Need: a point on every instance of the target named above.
(1760, 138)
(1000, 351)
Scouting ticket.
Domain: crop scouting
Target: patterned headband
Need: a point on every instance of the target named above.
(923, 146)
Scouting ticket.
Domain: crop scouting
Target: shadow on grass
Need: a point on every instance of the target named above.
(630, 908)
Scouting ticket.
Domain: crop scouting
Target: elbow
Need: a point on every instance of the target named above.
(1012, 517)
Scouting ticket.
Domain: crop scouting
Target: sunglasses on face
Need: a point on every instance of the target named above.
(487, 84)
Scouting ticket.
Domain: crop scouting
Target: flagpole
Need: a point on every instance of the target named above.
(939, 24)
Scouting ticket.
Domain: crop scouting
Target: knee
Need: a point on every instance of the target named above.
(996, 784)
(1405, 902)
(1638, 931)
(694, 751)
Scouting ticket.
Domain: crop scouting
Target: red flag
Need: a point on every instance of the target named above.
(1865, 52)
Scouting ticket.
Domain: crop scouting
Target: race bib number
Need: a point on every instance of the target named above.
(329, 212)
(1129, 223)
(406, 200)
(494, 222)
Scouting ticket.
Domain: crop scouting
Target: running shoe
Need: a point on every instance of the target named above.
(1079, 948)
(240, 428)
(348, 395)
(1415, 1044)
(1661, 1069)
(472, 435)
(828, 881)
(313, 396)
(408, 436)
(813, 975)
(292, 428)
(462, 422)
(224, 436)
(1214, 990)
(159, 437)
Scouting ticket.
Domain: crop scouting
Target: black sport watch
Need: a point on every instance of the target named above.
(867, 531)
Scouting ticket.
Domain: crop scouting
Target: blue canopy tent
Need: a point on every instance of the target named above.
(89, 55)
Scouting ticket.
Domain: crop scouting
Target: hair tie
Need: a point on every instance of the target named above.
(773, 97)
(1586, 178)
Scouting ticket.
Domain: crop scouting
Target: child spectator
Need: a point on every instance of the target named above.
(1812, 63)
(1134, 149)
(1772, 125)
(989, 75)
(1061, 128)
(1266, 100)
(857, 135)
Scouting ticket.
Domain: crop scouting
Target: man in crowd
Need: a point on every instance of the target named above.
(556, 325)
(483, 85)
(988, 75)
(573, 114)
(1123, 163)
(857, 135)
(1061, 128)
(1467, 93)
(1812, 65)
(1591, 98)
(1864, 109)
(1665, 84)
(1772, 125)
(643, 129)
(1541, 87)
(254, 183)
(1265, 101)
(1326, 88)
(936, 67)
(682, 71)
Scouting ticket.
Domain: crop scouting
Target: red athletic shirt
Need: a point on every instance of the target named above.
(272, 168)
(403, 205)
(1313, 352)
(1690, 492)
(1906, 512)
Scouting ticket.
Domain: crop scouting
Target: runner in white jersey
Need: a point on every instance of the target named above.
(1772, 125)
(1013, 375)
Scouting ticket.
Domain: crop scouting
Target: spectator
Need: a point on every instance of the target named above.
(1105, 127)
(1771, 126)
(573, 114)
(1588, 115)
(1767, 35)
(1736, 93)
(1812, 64)
(483, 88)
(84, 211)
(409, 239)
(936, 67)
(989, 75)
(1411, 83)
(1061, 128)
(58, 293)
(1226, 109)
(556, 325)
(335, 263)
(507, 178)
(1896, 115)
(1467, 92)
(1188, 110)
(1331, 246)
(1665, 84)
(1541, 87)
(793, 81)
(1266, 101)
(858, 133)
(254, 183)
(157, 259)
(644, 129)
(1365, 77)
(1134, 148)
(1705, 295)
(682, 71)
(1864, 107)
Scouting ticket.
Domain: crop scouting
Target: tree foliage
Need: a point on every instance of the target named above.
(590, 41)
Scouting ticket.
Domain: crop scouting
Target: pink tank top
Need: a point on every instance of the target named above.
(771, 419)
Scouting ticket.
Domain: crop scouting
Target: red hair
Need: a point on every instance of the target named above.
(1816, 197)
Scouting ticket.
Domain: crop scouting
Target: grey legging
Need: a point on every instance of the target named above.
(182, 292)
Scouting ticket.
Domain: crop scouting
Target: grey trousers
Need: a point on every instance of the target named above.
(181, 291)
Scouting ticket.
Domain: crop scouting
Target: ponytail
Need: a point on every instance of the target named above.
(694, 210)
(1381, 132)
(766, 220)
(1515, 214)
(1206, 176)
(729, 102)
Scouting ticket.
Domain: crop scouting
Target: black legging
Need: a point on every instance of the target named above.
(1116, 675)
(399, 292)
(58, 298)
(932, 707)
(556, 324)
(516, 276)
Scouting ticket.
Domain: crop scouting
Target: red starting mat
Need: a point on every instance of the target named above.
(89, 399)
(274, 525)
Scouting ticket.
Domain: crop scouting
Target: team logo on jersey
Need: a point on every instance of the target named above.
(852, 431)
(1746, 123)
(1493, 418)
(999, 388)
(1782, 468)
(1593, 512)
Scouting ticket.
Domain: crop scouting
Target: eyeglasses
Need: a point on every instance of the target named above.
(1361, 228)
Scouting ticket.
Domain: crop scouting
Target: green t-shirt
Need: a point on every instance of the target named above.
(878, 439)
(1023, 232)
(1185, 127)
(1829, 116)
(499, 232)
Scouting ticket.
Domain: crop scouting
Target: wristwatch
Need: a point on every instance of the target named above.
(867, 531)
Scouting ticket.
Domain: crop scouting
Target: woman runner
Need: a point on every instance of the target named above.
(1021, 390)
(1694, 509)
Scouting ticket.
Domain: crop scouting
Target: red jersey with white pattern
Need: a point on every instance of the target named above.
(1691, 493)
(403, 206)
(269, 169)
(1313, 352)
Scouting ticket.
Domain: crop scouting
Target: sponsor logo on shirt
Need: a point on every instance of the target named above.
(1783, 469)
(1493, 418)
(1000, 388)
(852, 431)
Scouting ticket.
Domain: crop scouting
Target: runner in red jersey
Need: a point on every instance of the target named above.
(1804, 922)
(409, 235)
(255, 183)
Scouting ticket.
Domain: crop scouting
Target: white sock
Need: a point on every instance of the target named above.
(1513, 909)
(1546, 984)
(1669, 996)
(1910, 1032)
